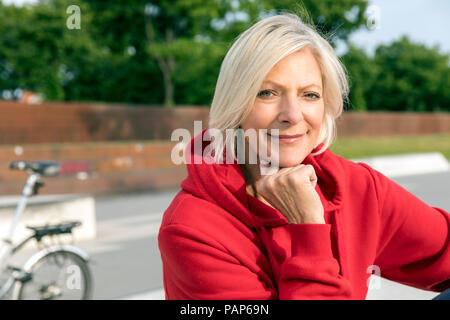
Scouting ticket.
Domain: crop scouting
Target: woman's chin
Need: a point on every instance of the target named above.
(286, 159)
(290, 161)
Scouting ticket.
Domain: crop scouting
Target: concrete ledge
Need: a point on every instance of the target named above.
(50, 209)
(407, 164)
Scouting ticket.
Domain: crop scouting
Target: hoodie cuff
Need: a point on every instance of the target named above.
(311, 240)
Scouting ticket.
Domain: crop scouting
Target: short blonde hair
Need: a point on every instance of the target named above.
(251, 57)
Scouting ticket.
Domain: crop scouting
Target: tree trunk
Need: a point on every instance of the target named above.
(168, 89)
(169, 100)
(166, 64)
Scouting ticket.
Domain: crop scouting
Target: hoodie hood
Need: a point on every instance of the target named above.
(224, 185)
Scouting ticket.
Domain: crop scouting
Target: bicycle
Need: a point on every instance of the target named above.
(56, 271)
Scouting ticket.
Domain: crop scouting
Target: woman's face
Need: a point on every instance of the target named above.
(291, 100)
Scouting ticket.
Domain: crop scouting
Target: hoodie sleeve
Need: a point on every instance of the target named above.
(414, 242)
(196, 267)
(312, 272)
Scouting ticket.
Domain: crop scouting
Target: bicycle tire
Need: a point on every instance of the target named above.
(25, 290)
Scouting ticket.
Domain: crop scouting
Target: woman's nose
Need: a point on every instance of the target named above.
(291, 110)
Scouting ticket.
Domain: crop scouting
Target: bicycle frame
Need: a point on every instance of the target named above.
(18, 276)
(7, 247)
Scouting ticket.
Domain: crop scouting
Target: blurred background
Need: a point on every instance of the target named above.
(99, 86)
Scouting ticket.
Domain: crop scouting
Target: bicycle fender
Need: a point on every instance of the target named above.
(66, 247)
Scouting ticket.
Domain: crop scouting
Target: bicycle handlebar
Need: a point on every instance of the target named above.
(44, 168)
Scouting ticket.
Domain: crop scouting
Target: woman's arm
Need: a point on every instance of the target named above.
(312, 272)
(197, 267)
(414, 242)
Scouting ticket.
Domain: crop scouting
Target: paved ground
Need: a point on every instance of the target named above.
(125, 257)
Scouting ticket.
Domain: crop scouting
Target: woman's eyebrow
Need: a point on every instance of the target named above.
(302, 87)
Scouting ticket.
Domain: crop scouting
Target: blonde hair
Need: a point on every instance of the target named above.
(251, 57)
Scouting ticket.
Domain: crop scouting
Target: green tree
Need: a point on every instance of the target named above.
(361, 75)
(140, 51)
(37, 48)
(335, 20)
(410, 77)
(175, 32)
(165, 30)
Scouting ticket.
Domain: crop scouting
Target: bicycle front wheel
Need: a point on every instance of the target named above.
(58, 275)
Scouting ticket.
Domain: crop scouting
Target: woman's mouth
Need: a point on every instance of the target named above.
(284, 138)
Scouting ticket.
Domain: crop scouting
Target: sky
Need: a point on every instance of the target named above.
(423, 21)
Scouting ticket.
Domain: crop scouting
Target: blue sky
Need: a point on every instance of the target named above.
(424, 21)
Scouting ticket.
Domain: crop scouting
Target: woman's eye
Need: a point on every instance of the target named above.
(270, 93)
(264, 93)
(312, 96)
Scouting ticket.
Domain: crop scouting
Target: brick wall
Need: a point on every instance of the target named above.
(395, 123)
(87, 137)
(105, 167)
(76, 122)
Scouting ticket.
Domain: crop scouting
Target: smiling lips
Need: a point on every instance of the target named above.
(288, 138)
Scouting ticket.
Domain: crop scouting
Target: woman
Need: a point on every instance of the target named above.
(317, 227)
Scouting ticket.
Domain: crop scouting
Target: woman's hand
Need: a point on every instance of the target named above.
(291, 191)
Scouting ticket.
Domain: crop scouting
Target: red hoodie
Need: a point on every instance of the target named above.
(218, 242)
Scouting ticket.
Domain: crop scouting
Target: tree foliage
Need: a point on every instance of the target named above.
(402, 76)
(170, 51)
(411, 77)
(361, 74)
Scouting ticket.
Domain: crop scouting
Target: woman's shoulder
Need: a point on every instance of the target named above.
(355, 168)
(360, 171)
(191, 211)
(359, 178)
(184, 207)
(199, 220)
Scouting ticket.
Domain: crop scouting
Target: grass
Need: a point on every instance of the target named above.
(361, 147)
